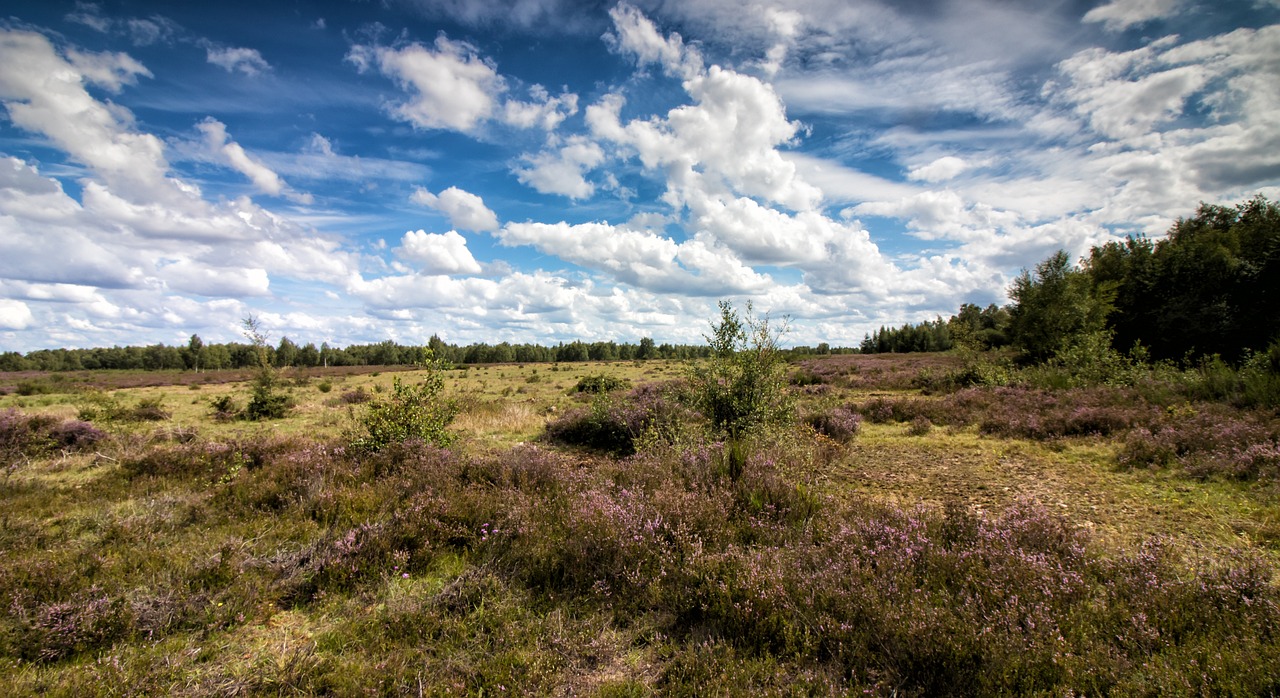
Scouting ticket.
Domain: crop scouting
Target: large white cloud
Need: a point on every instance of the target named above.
(641, 258)
(464, 209)
(15, 315)
(439, 253)
(450, 86)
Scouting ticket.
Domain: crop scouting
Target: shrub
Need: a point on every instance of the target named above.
(742, 387)
(224, 408)
(359, 396)
(920, 426)
(267, 401)
(601, 384)
(619, 426)
(410, 412)
(30, 436)
(840, 423)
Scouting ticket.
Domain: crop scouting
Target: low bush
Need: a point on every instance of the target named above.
(620, 425)
(839, 423)
(30, 436)
(601, 384)
(1207, 442)
(411, 411)
(100, 407)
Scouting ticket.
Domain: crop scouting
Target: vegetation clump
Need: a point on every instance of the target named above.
(601, 383)
(412, 411)
(742, 386)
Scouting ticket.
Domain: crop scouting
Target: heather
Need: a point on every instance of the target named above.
(621, 543)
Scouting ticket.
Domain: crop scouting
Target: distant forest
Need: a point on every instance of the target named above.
(199, 356)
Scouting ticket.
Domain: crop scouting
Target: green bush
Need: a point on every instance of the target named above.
(410, 412)
(601, 384)
(742, 387)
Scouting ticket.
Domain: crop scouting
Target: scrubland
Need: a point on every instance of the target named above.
(902, 535)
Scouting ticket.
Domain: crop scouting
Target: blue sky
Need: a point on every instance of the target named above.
(550, 170)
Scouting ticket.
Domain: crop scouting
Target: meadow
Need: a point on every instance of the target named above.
(903, 534)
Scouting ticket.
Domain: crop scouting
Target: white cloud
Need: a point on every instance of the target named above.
(562, 172)
(940, 170)
(15, 315)
(45, 93)
(263, 178)
(190, 276)
(233, 154)
(1119, 15)
(729, 137)
(545, 111)
(640, 258)
(237, 59)
(464, 209)
(451, 87)
(439, 254)
(636, 34)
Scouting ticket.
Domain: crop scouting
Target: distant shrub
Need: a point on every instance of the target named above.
(224, 408)
(839, 423)
(920, 426)
(324, 386)
(601, 384)
(359, 396)
(806, 376)
(28, 388)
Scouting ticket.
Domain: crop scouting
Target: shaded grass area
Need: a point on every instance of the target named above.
(865, 550)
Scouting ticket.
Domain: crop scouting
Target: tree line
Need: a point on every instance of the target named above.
(199, 356)
(1211, 287)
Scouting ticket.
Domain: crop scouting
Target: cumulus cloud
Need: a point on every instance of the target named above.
(189, 276)
(439, 254)
(640, 258)
(15, 315)
(637, 35)
(464, 209)
(450, 85)
(563, 171)
(544, 111)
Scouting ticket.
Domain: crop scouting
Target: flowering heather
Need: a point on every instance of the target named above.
(1208, 442)
(839, 423)
(618, 425)
(23, 435)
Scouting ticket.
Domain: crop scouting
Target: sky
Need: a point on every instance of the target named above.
(556, 170)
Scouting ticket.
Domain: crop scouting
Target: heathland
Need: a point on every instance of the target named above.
(892, 527)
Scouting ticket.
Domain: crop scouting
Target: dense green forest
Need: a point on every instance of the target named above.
(1210, 288)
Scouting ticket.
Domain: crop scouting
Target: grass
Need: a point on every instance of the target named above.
(979, 555)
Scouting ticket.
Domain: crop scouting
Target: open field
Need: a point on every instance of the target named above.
(963, 542)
